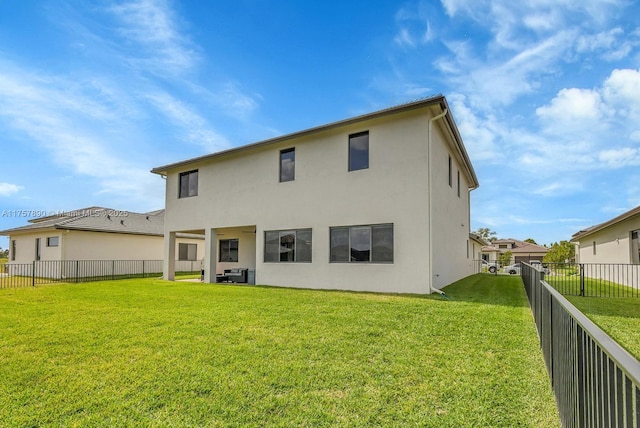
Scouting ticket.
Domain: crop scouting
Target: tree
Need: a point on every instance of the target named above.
(531, 241)
(561, 252)
(505, 258)
(486, 234)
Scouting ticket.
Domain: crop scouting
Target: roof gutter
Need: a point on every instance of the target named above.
(430, 258)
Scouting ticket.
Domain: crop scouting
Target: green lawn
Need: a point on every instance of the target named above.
(148, 352)
(570, 285)
(619, 317)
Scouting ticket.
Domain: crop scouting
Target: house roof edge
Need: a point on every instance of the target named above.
(435, 99)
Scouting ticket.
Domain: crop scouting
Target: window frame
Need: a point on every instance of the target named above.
(189, 176)
(450, 172)
(351, 159)
(594, 248)
(283, 152)
(458, 183)
(228, 242)
(38, 254)
(635, 247)
(187, 245)
(374, 256)
(50, 241)
(298, 248)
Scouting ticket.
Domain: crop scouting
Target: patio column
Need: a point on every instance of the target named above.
(210, 255)
(169, 265)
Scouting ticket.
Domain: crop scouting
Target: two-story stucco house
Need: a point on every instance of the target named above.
(521, 251)
(378, 202)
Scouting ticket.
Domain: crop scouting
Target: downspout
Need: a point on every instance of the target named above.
(430, 260)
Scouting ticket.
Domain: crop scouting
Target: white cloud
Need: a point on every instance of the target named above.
(73, 127)
(481, 134)
(597, 123)
(622, 91)
(403, 38)
(618, 158)
(151, 24)
(573, 110)
(195, 127)
(8, 189)
(580, 104)
(414, 26)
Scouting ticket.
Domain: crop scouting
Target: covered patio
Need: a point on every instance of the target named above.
(225, 248)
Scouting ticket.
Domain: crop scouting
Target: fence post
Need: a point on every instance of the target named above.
(33, 274)
(143, 269)
(113, 270)
(582, 279)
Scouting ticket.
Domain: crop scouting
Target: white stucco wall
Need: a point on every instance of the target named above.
(243, 189)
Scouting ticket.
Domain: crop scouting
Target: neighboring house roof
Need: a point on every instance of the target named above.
(434, 100)
(517, 247)
(97, 219)
(478, 238)
(622, 217)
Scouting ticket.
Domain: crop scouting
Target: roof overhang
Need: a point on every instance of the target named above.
(436, 100)
(622, 217)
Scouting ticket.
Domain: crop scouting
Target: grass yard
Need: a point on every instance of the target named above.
(570, 285)
(619, 317)
(148, 352)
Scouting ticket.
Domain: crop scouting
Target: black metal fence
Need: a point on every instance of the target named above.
(595, 381)
(594, 279)
(579, 279)
(15, 275)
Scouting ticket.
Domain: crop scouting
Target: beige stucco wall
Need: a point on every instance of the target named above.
(242, 189)
(85, 245)
(81, 245)
(26, 247)
(613, 244)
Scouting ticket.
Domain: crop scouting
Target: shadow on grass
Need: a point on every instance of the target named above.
(504, 290)
(489, 289)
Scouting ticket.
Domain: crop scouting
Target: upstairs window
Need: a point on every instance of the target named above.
(188, 184)
(229, 250)
(287, 165)
(359, 151)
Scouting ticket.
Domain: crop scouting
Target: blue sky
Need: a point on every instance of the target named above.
(546, 95)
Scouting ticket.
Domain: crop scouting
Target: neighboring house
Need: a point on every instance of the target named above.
(97, 233)
(521, 251)
(378, 202)
(614, 241)
(476, 243)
